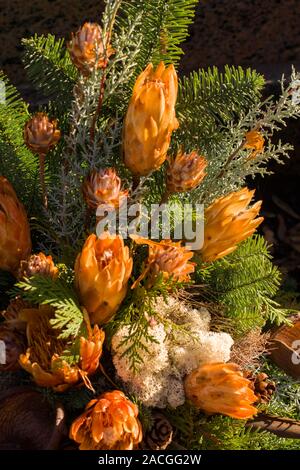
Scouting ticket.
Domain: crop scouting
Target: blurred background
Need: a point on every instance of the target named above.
(262, 34)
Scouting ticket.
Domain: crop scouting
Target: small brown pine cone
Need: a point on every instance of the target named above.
(12, 344)
(14, 307)
(38, 264)
(159, 437)
(262, 386)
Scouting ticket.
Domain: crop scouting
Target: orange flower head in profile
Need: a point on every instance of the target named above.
(254, 141)
(150, 119)
(221, 388)
(43, 357)
(39, 264)
(186, 172)
(15, 241)
(167, 258)
(110, 422)
(103, 188)
(41, 133)
(102, 271)
(228, 221)
(89, 49)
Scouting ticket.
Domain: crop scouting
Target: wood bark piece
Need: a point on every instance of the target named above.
(282, 427)
(285, 347)
(28, 422)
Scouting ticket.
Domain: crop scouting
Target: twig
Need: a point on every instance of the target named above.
(42, 157)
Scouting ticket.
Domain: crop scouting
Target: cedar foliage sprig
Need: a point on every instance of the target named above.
(42, 290)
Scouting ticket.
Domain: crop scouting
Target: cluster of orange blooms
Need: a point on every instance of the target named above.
(104, 266)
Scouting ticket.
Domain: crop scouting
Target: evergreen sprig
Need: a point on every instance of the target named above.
(210, 99)
(245, 283)
(17, 163)
(196, 432)
(49, 67)
(57, 293)
(164, 26)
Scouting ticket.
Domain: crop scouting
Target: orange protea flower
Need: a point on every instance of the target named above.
(150, 119)
(38, 264)
(254, 141)
(186, 172)
(166, 257)
(221, 388)
(88, 49)
(103, 188)
(109, 423)
(15, 241)
(42, 359)
(228, 221)
(41, 133)
(102, 271)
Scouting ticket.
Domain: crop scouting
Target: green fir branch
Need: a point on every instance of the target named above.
(164, 26)
(245, 283)
(210, 99)
(17, 163)
(50, 68)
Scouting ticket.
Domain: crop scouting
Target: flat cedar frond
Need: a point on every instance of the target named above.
(43, 290)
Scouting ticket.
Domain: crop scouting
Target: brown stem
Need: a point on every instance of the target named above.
(98, 110)
(135, 182)
(42, 157)
(165, 197)
(107, 376)
(87, 219)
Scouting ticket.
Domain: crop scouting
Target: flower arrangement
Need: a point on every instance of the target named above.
(133, 332)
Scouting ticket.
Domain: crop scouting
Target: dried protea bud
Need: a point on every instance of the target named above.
(41, 133)
(167, 258)
(228, 221)
(12, 344)
(15, 241)
(40, 136)
(261, 385)
(38, 265)
(103, 188)
(102, 271)
(109, 423)
(160, 436)
(89, 49)
(14, 308)
(150, 119)
(254, 141)
(186, 172)
(221, 388)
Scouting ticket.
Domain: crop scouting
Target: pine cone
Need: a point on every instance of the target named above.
(38, 264)
(12, 344)
(261, 385)
(159, 437)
